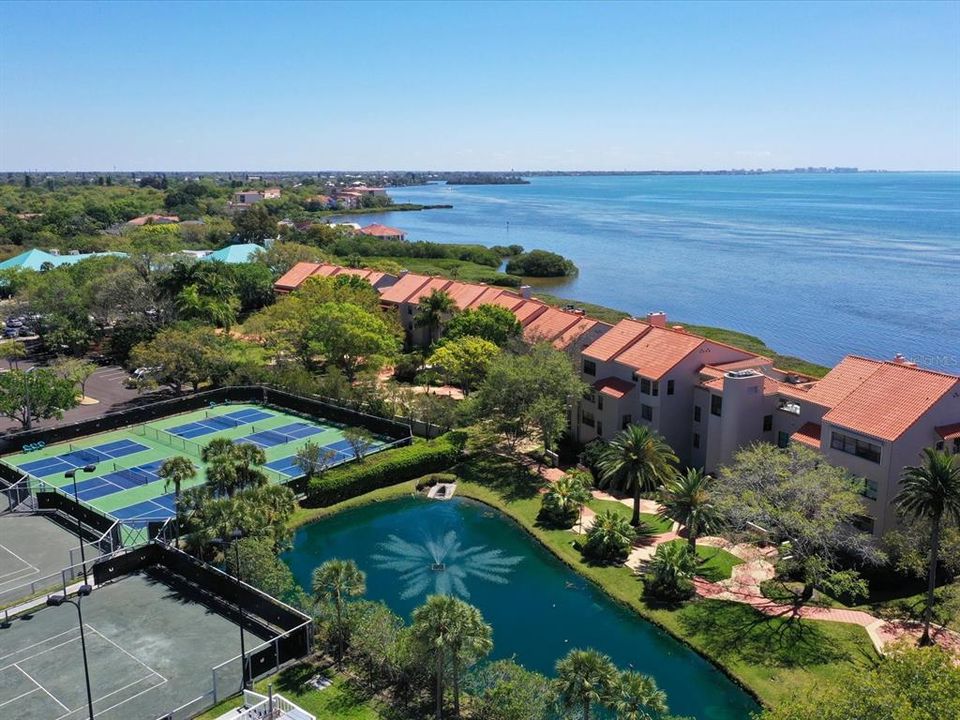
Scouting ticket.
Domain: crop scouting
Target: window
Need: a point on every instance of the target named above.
(869, 489)
(600, 402)
(646, 412)
(589, 367)
(599, 428)
(716, 405)
(696, 441)
(645, 386)
(591, 396)
(940, 445)
(696, 413)
(587, 419)
(669, 387)
(783, 439)
(409, 309)
(656, 388)
(627, 419)
(767, 423)
(863, 523)
(853, 446)
(956, 446)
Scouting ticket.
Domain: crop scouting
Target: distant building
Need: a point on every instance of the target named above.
(383, 232)
(246, 198)
(234, 254)
(271, 193)
(38, 260)
(153, 220)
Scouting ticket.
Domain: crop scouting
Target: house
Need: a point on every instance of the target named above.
(872, 417)
(271, 193)
(246, 198)
(39, 260)
(362, 189)
(299, 273)
(383, 232)
(152, 220)
(234, 254)
(349, 199)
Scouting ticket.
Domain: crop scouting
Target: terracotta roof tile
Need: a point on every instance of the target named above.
(891, 399)
(437, 283)
(842, 380)
(404, 288)
(949, 432)
(656, 352)
(501, 298)
(464, 294)
(575, 332)
(808, 434)
(620, 336)
(528, 310)
(549, 324)
(378, 230)
(614, 387)
(293, 278)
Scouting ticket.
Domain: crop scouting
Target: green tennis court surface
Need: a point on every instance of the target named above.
(125, 484)
(150, 649)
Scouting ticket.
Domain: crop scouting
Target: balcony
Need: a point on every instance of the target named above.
(261, 707)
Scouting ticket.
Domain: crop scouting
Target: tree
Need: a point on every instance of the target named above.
(451, 633)
(909, 683)
(464, 361)
(378, 642)
(260, 567)
(504, 690)
(233, 467)
(13, 351)
(800, 499)
(176, 471)
(314, 460)
(637, 461)
(282, 256)
(671, 571)
(180, 356)
(542, 377)
(686, 499)
(564, 498)
(255, 224)
(348, 336)
(931, 491)
(585, 678)
(76, 370)
(334, 582)
(491, 322)
(208, 308)
(636, 697)
(541, 263)
(609, 538)
(37, 394)
(360, 441)
(435, 309)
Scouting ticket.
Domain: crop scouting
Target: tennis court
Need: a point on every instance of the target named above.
(124, 483)
(150, 649)
(32, 547)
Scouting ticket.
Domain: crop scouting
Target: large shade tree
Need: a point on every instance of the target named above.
(931, 491)
(637, 460)
(37, 394)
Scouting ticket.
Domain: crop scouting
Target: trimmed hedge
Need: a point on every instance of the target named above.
(387, 468)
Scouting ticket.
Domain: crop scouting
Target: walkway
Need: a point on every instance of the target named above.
(743, 585)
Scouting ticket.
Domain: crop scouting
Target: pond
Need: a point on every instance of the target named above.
(539, 608)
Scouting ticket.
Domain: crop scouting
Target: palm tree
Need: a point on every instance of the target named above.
(609, 538)
(453, 632)
(636, 697)
(637, 460)
(566, 497)
(584, 678)
(671, 570)
(176, 471)
(248, 459)
(435, 309)
(686, 499)
(333, 583)
(931, 491)
(217, 446)
(232, 467)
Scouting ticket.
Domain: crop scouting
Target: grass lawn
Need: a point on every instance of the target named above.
(653, 524)
(715, 563)
(772, 656)
(337, 701)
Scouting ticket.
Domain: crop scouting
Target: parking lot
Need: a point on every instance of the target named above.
(105, 386)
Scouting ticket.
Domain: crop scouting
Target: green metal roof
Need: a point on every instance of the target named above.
(235, 253)
(35, 259)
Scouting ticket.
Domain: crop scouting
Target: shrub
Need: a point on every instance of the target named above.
(609, 538)
(541, 263)
(387, 468)
(592, 453)
(670, 576)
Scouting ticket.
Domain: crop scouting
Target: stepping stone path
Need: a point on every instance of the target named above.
(743, 585)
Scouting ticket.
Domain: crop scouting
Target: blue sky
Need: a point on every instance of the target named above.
(269, 85)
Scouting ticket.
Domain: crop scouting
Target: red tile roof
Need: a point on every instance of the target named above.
(528, 310)
(403, 288)
(575, 332)
(294, 277)
(658, 351)
(464, 294)
(378, 230)
(890, 400)
(549, 324)
(808, 434)
(436, 283)
(846, 377)
(614, 342)
(949, 432)
(614, 387)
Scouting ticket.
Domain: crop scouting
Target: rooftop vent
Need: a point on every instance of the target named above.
(657, 319)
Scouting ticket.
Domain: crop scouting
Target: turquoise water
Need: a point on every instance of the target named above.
(539, 609)
(816, 265)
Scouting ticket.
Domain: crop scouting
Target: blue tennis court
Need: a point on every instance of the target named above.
(121, 479)
(158, 509)
(283, 434)
(216, 423)
(85, 456)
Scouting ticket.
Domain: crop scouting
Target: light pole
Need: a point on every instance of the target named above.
(72, 475)
(57, 601)
(28, 415)
(235, 536)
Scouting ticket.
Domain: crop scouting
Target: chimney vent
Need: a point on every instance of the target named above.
(526, 291)
(679, 328)
(657, 319)
(899, 359)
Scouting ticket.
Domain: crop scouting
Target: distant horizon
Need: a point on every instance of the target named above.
(511, 171)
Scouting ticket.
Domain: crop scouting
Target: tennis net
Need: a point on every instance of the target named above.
(171, 440)
(223, 421)
(86, 455)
